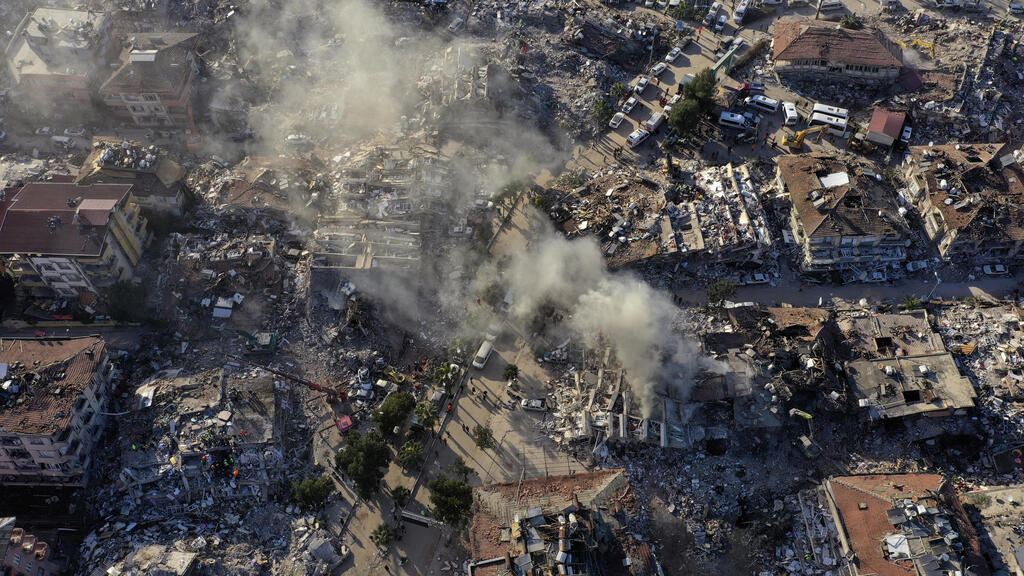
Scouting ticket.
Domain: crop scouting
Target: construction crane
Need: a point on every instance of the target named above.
(794, 412)
(333, 395)
(928, 47)
(798, 141)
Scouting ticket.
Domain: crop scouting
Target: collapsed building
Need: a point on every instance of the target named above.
(575, 524)
(157, 181)
(970, 198)
(843, 215)
(54, 396)
(887, 525)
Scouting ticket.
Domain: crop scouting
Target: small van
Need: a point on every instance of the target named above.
(637, 137)
(762, 103)
(831, 5)
(720, 25)
(732, 120)
(741, 10)
(484, 353)
(789, 112)
(1015, 9)
(652, 123)
(709, 19)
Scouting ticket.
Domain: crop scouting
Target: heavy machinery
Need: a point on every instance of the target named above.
(806, 442)
(858, 143)
(394, 375)
(259, 342)
(928, 47)
(796, 412)
(333, 395)
(798, 140)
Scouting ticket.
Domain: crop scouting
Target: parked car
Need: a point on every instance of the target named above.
(658, 69)
(74, 131)
(875, 277)
(637, 137)
(720, 25)
(641, 85)
(1015, 9)
(298, 139)
(616, 120)
(746, 137)
(755, 278)
(456, 24)
(44, 131)
(996, 270)
(539, 405)
(675, 100)
(907, 132)
(672, 55)
(917, 265)
(628, 105)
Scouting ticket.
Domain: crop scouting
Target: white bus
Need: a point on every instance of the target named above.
(837, 126)
(831, 111)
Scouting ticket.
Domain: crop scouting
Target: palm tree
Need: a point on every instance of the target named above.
(618, 91)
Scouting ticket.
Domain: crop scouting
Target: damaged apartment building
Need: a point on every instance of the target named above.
(970, 198)
(577, 524)
(843, 216)
(885, 525)
(156, 180)
(900, 368)
(65, 239)
(53, 400)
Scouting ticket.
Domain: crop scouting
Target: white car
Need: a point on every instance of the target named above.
(637, 137)
(658, 69)
(756, 278)
(74, 131)
(667, 110)
(649, 4)
(641, 85)
(617, 120)
(905, 137)
(675, 99)
(45, 131)
(539, 405)
(298, 139)
(672, 55)
(456, 24)
(628, 105)
(917, 265)
(996, 270)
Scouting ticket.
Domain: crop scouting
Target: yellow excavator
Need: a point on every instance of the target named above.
(798, 140)
(928, 47)
(806, 442)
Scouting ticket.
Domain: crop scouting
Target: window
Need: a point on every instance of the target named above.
(137, 108)
(17, 559)
(130, 98)
(150, 98)
(36, 441)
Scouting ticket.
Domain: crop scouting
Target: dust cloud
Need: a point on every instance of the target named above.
(619, 309)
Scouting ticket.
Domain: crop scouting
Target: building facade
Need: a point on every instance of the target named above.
(71, 238)
(154, 83)
(843, 216)
(815, 50)
(51, 415)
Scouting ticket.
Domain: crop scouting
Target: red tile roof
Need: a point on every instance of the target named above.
(866, 528)
(48, 402)
(806, 39)
(888, 123)
(45, 218)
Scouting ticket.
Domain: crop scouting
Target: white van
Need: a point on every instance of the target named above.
(763, 103)
(831, 5)
(484, 353)
(709, 19)
(789, 111)
(731, 120)
(637, 137)
(652, 123)
(741, 10)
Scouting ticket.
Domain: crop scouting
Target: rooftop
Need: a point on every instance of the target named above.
(886, 122)
(837, 198)
(57, 218)
(146, 168)
(910, 385)
(806, 39)
(907, 333)
(56, 41)
(50, 375)
(156, 62)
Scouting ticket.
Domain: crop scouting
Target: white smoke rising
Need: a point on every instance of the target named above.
(619, 309)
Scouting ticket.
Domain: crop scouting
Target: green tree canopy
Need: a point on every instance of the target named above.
(460, 469)
(311, 492)
(394, 410)
(452, 499)
(401, 496)
(126, 301)
(427, 414)
(410, 455)
(483, 437)
(364, 460)
(511, 372)
(383, 535)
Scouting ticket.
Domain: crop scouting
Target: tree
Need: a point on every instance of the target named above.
(911, 302)
(482, 235)
(401, 496)
(851, 21)
(702, 89)
(600, 111)
(311, 492)
(364, 460)
(445, 374)
(483, 437)
(427, 414)
(126, 301)
(718, 291)
(684, 11)
(511, 372)
(410, 455)
(452, 500)
(382, 536)
(618, 91)
(460, 469)
(493, 294)
(685, 117)
(394, 411)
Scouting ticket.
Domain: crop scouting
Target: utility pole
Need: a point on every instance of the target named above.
(817, 13)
